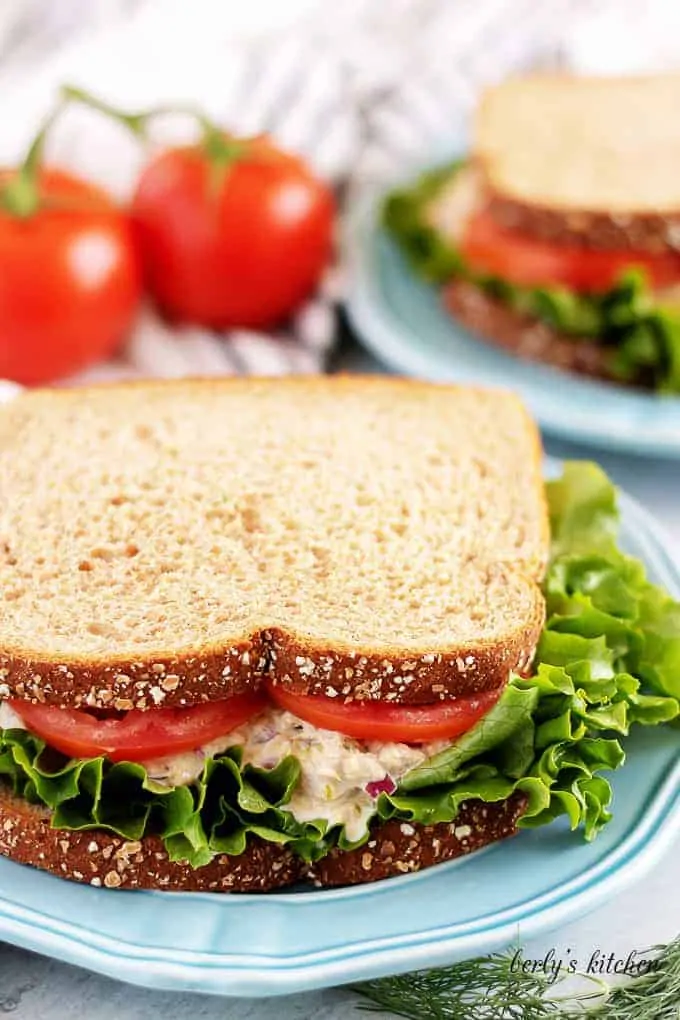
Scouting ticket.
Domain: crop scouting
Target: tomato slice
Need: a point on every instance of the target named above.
(137, 736)
(525, 261)
(380, 720)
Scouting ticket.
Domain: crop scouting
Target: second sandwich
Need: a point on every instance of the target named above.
(558, 237)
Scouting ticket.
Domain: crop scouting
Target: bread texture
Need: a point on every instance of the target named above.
(587, 160)
(524, 335)
(101, 859)
(171, 543)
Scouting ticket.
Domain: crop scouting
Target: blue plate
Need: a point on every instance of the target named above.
(400, 320)
(277, 943)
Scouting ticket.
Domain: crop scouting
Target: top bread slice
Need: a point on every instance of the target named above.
(588, 159)
(168, 543)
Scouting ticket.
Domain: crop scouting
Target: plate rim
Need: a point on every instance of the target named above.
(229, 975)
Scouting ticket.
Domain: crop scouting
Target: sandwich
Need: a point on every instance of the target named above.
(558, 236)
(324, 630)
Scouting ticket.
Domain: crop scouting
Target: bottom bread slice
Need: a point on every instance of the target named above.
(524, 335)
(99, 858)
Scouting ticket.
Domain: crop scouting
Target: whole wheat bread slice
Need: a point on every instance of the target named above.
(168, 543)
(99, 858)
(592, 160)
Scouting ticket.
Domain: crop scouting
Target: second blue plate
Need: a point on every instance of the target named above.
(400, 320)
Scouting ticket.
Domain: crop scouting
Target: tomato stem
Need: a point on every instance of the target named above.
(135, 122)
(219, 147)
(138, 122)
(20, 197)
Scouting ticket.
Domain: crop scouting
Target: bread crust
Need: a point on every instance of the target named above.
(391, 676)
(400, 848)
(298, 663)
(162, 681)
(591, 229)
(101, 859)
(524, 335)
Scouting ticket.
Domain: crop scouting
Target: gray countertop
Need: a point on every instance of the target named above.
(35, 988)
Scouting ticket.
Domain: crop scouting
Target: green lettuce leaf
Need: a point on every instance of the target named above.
(608, 659)
(642, 335)
(211, 816)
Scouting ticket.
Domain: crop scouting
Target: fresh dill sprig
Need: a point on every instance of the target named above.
(654, 995)
(490, 988)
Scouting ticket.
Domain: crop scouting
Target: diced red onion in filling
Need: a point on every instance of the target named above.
(378, 786)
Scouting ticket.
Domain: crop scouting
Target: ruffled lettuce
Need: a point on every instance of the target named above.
(642, 335)
(214, 815)
(608, 659)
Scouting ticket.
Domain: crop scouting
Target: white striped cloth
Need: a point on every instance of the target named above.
(360, 89)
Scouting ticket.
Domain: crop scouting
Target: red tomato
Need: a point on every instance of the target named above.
(69, 280)
(238, 246)
(137, 736)
(379, 720)
(489, 248)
